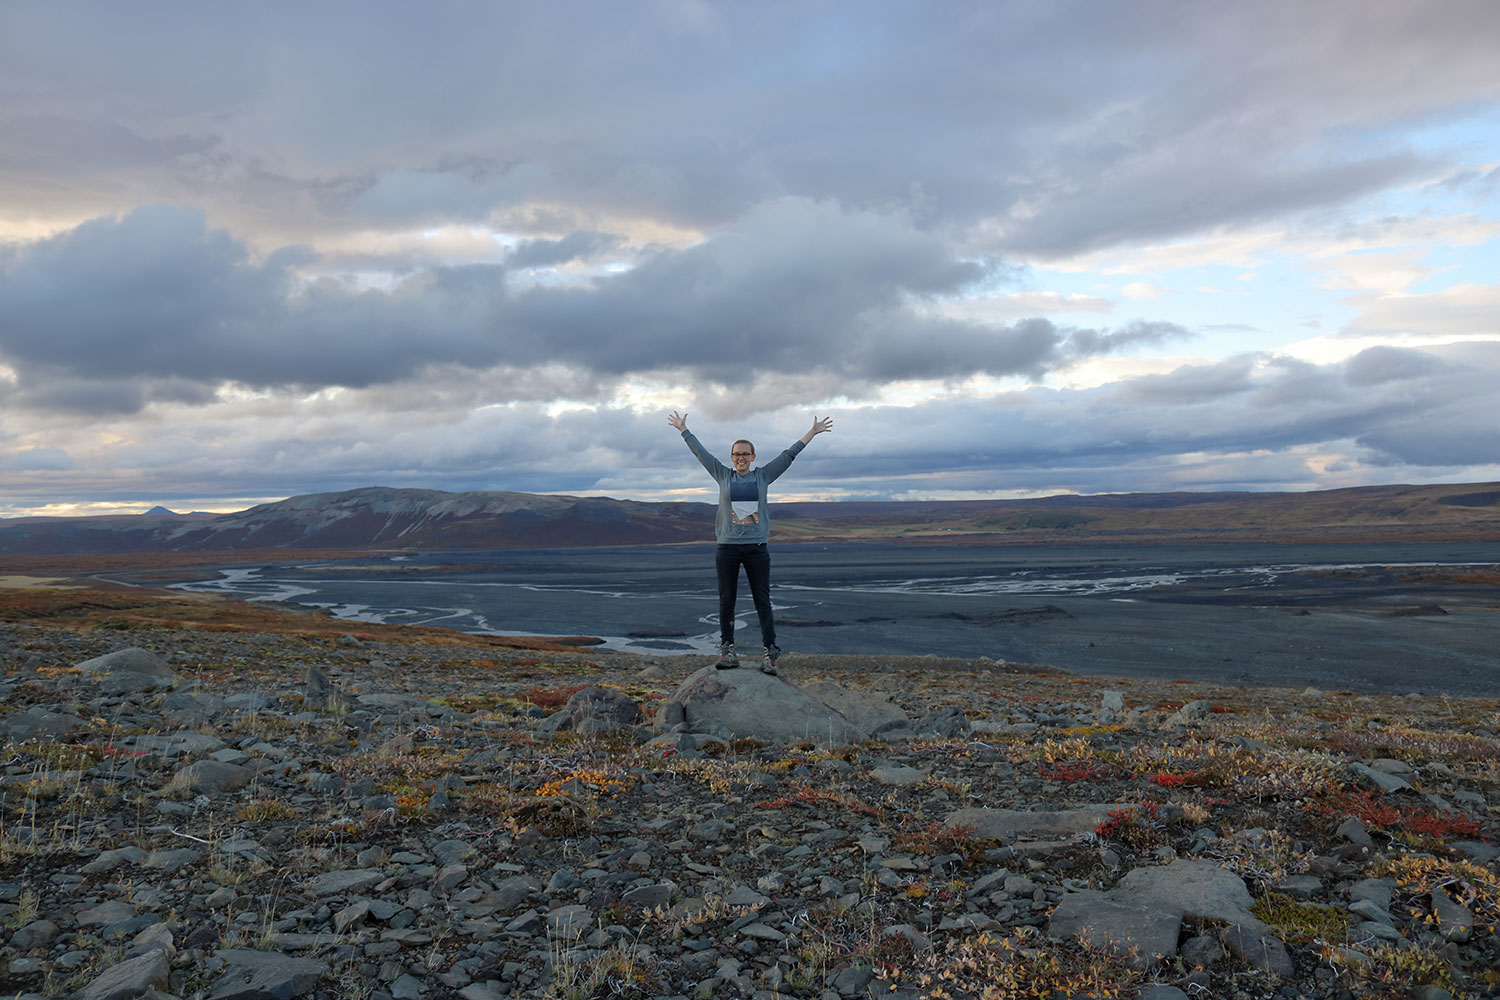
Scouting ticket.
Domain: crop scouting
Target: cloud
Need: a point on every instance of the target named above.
(1378, 365)
(342, 116)
(36, 459)
(793, 286)
(1461, 310)
(1257, 422)
(553, 253)
(1144, 290)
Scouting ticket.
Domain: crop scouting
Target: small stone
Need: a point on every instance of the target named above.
(1354, 831)
(1261, 950)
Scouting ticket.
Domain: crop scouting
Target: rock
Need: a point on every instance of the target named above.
(1258, 948)
(1200, 889)
(35, 935)
(1385, 782)
(649, 897)
(321, 692)
(133, 669)
(747, 702)
(345, 882)
(1454, 920)
(944, 723)
(1139, 934)
(1200, 952)
(1354, 831)
(602, 709)
(37, 723)
(209, 777)
(1113, 701)
(866, 711)
(568, 923)
(1193, 711)
(1477, 850)
(110, 912)
(1373, 890)
(997, 824)
(265, 975)
(172, 860)
(130, 979)
(1370, 911)
(1300, 886)
(892, 775)
(108, 861)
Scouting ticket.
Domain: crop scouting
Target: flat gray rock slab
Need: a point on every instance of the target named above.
(746, 702)
(1200, 889)
(265, 975)
(893, 775)
(400, 702)
(134, 660)
(995, 824)
(208, 777)
(110, 912)
(1140, 935)
(172, 861)
(189, 743)
(130, 979)
(37, 723)
(108, 861)
(570, 922)
(346, 882)
(1387, 783)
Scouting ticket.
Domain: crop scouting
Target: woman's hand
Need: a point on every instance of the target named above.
(818, 427)
(678, 420)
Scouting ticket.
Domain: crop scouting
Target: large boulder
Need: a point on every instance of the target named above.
(130, 670)
(865, 710)
(743, 702)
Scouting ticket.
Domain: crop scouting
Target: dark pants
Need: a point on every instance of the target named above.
(757, 562)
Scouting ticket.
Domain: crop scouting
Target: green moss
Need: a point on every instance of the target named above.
(1304, 922)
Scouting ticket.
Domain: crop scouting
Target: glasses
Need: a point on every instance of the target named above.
(742, 454)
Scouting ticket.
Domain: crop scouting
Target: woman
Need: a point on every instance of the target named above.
(742, 529)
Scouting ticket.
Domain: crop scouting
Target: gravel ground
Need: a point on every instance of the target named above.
(420, 826)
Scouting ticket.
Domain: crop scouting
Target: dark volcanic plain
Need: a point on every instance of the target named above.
(1379, 616)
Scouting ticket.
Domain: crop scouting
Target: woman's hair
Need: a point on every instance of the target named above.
(743, 441)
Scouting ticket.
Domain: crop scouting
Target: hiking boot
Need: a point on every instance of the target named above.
(768, 662)
(728, 658)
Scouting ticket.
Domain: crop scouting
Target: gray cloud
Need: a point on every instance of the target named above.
(1107, 123)
(794, 286)
(1440, 416)
(552, 253)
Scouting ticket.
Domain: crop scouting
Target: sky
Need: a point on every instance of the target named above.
(250, 251)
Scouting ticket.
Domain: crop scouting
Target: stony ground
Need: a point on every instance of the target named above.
(414, 827)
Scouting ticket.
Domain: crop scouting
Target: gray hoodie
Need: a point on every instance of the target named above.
(743, 518)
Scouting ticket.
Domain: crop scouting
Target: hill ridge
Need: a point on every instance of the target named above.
(380, 517)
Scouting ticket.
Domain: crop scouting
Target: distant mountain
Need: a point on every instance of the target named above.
(373, 518)
(377, 518)
(159, 509)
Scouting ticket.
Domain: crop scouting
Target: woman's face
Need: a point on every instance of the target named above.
(741, 455)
